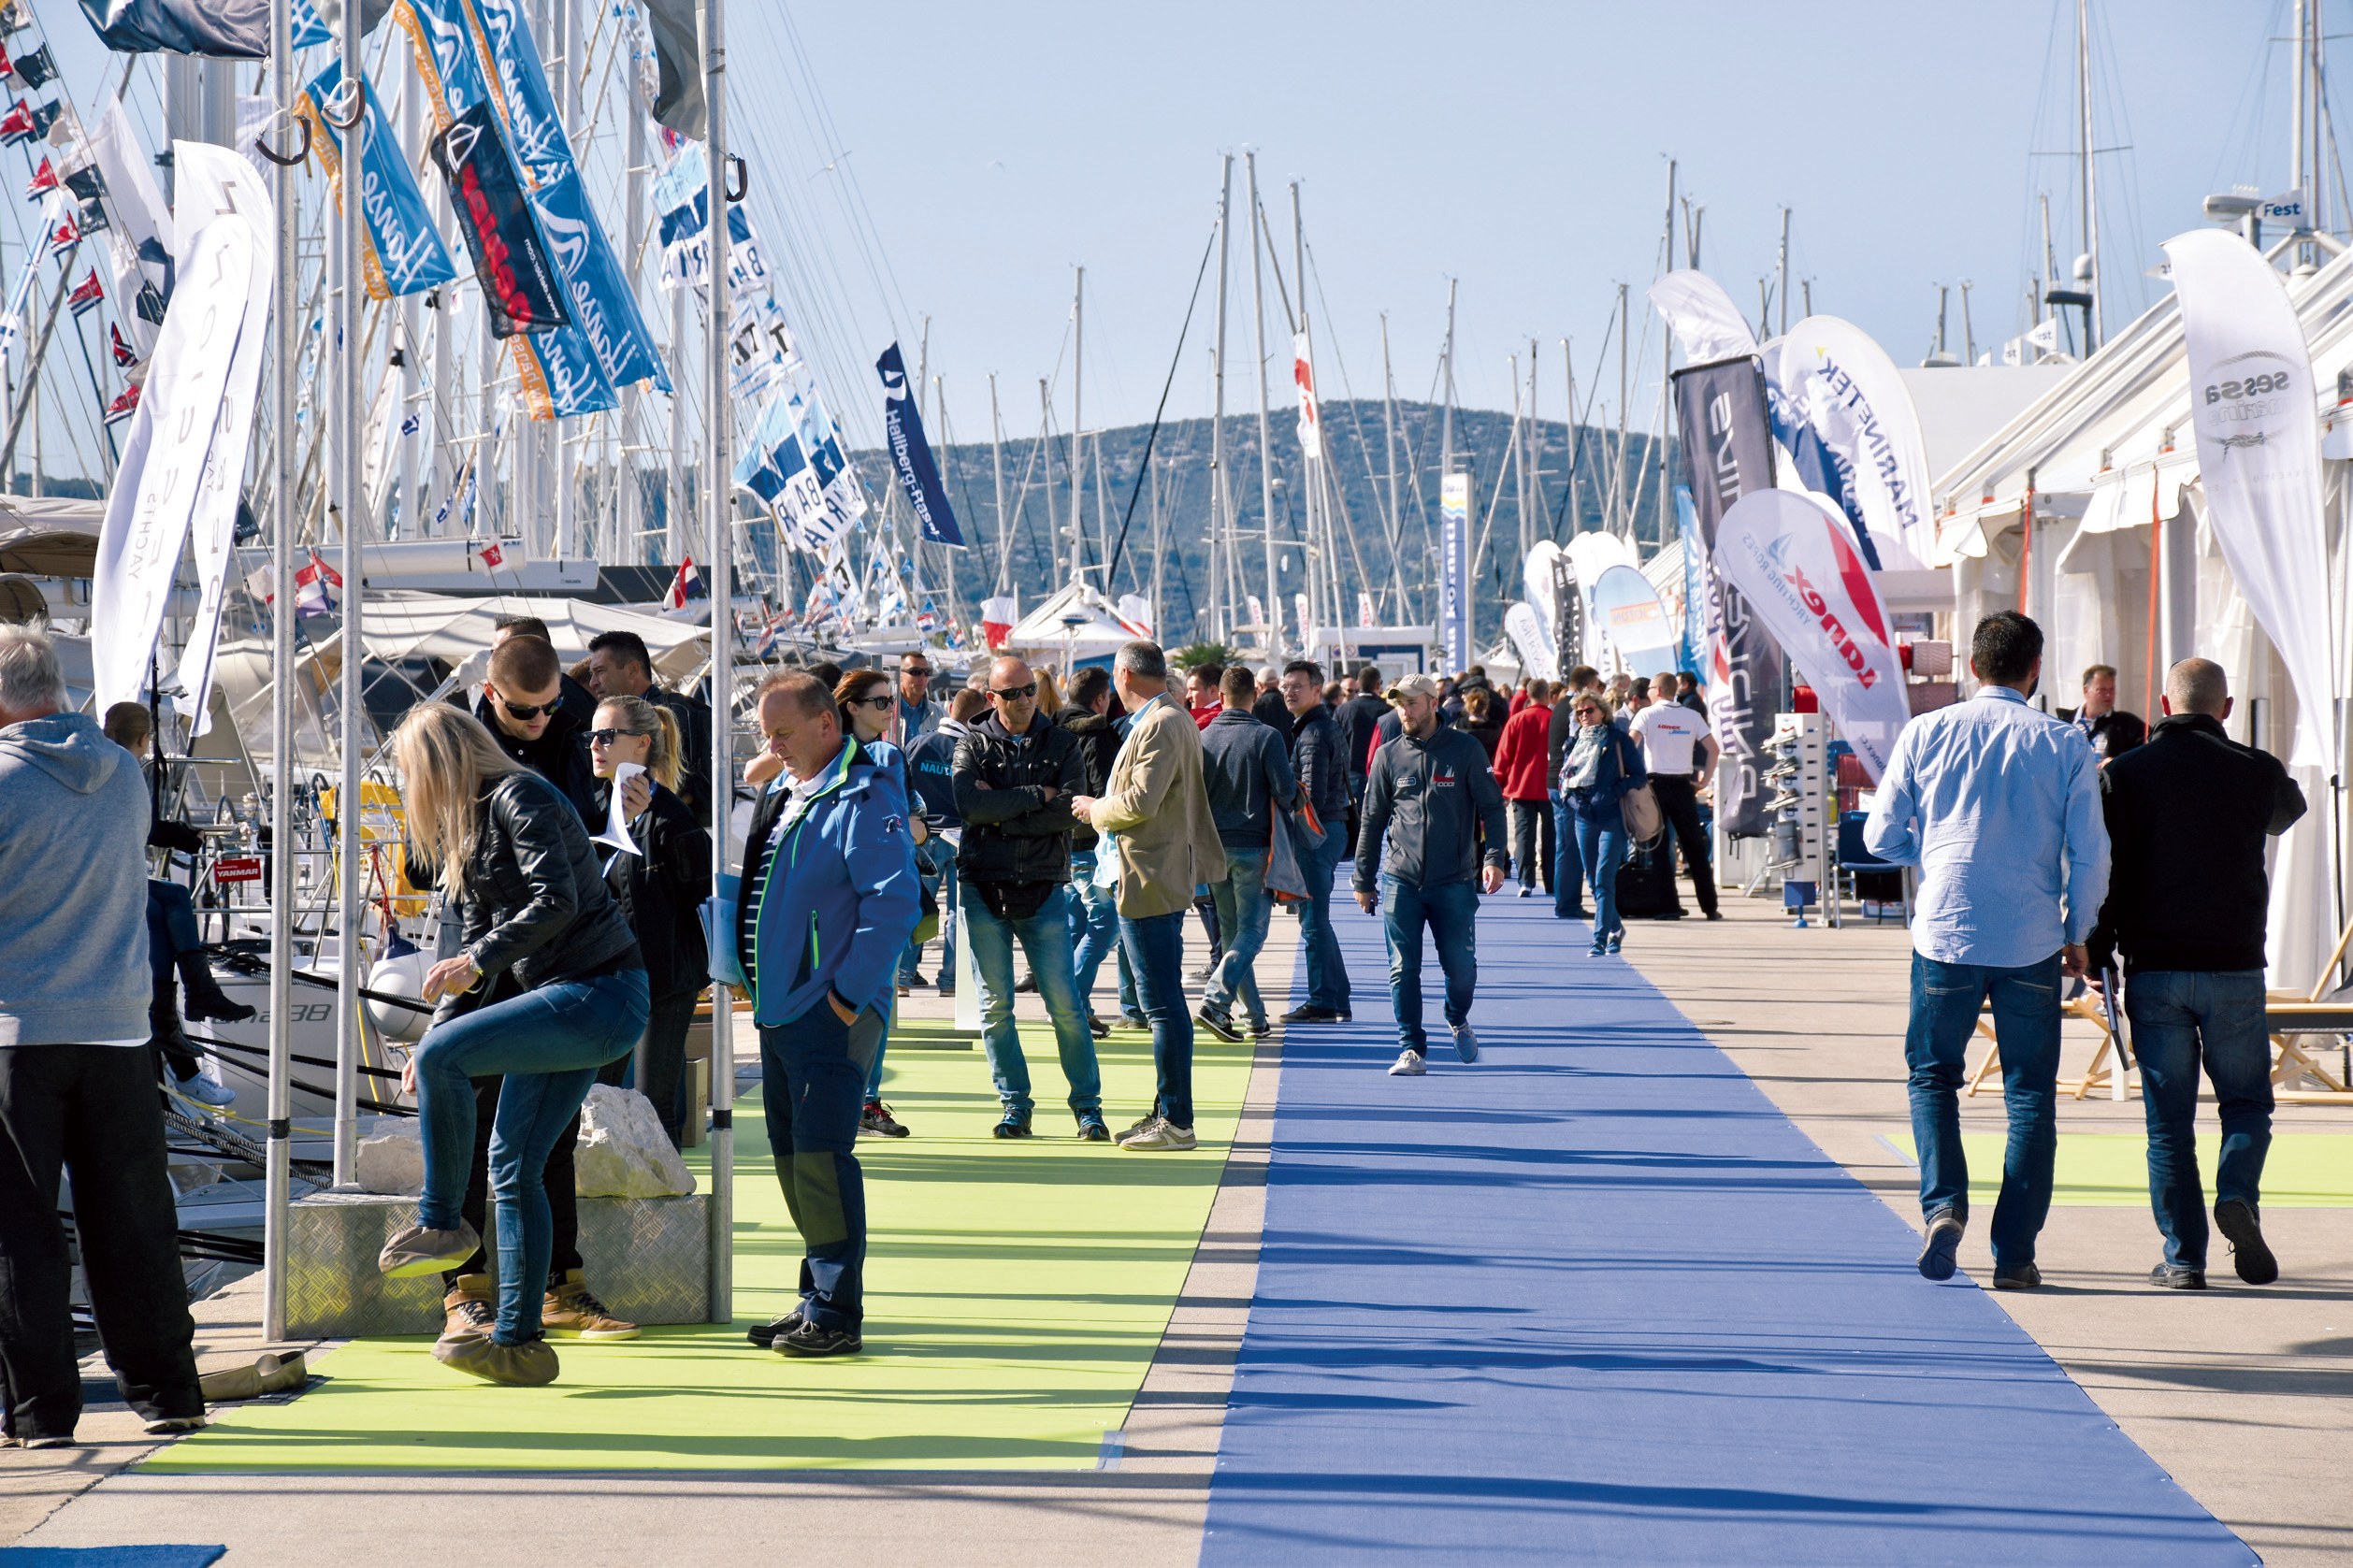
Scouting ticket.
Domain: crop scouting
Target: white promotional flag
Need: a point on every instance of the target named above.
(162, 472)
(1791, 559)
(1533, 641)
(2252, 402)
(2043, 335)
(1303, 371)
(1135, 614)
(216, 185)
(1832, 382)
(1705, 321)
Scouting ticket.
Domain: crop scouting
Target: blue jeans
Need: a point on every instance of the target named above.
(2180, 1017)
(1569, 864)
(1245, 911)
(1044, 938)
(812, 1071)
(1094, 925)
(548, 1045)
(1155, 947)
(1451, 911)
(1327, 972)
(1946, 999)
(943, 887)
(1601, 848)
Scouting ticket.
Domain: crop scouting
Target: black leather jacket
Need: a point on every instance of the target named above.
(559, 756)
(536, 901)
(1011, 833)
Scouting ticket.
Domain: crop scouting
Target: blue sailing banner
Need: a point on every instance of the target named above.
(919, 475)
(604, 306)
(404, 253)
(442, 42)
(309, 27)
(561, 377)
(535, 128)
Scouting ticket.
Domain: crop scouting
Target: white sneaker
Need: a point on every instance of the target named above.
(206, 1090)
(1410, 1065)
(1160, 1133)
(1465, 1043)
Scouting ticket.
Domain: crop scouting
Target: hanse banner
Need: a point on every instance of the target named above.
(1727, 448)
(402, 251)
(911, 453)
(1794, 561)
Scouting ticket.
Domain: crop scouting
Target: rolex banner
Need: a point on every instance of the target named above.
(2251, 401)
(1799, 571)
(911, 453)
(1727, 445)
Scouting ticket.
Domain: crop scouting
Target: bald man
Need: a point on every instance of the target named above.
(2189, 816)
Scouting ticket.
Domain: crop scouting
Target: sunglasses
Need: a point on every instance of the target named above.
(1015, 693)
(877, 703)
(526, 712)
(606, 737)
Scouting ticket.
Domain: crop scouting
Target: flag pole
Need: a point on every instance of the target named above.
(284, 477)
(716, 468)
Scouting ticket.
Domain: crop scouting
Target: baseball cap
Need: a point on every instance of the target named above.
(1411, 685)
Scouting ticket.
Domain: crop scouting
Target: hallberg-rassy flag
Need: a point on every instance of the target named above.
(441, 41)
(911, 453)
(1798, 566)
(402, 251)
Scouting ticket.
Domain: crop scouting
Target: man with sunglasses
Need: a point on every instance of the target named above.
(918, 715)
(1015, 773)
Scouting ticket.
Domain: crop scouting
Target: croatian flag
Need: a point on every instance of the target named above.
(997, 616)
(681, 586)
(767, 640)
(930, 619)
(124, 354)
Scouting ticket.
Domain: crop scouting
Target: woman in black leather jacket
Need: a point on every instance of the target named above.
(548, 988)
(660, 889)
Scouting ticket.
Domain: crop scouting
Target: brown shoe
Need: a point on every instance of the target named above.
(470, 1307)
(572, 1311)
(527, 1365)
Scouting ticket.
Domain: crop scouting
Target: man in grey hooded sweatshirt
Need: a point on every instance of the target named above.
(77, 1086)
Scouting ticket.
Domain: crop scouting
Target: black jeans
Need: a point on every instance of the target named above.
(1532, 853)
(563, 1196)
(93, 1111)
(663, 1073)
(1678, 803)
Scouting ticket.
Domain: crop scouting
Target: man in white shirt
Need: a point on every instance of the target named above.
(1677, 746)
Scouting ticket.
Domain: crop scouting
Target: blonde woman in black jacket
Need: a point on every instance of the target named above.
(548, 988)
(661, 890)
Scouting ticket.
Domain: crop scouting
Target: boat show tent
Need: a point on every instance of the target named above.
(2086, 512)
(1095, 630)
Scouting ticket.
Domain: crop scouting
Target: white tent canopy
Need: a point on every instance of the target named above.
(1093, 628)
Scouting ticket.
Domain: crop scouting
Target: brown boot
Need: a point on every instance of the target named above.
(570, 1312)
(470, 1307)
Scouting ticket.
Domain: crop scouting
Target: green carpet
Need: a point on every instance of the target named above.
(2111, 1170)
(1016, 1293)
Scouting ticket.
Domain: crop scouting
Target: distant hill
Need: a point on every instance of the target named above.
(1360, 464)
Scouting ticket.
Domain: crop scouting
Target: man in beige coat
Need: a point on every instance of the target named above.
(1154, 810)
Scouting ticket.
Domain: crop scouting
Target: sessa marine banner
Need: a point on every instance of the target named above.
(2252, 403)
(1728, 453)
(1792, 559)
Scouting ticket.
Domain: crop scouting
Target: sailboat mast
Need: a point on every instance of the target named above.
(350, 284)
(997, 466)
(1078, 412)
(1446, 420)
(284, 456)
(1221, 503)
(1403, 612)
(2091, 203)
(1265, 446)
(1568, 381)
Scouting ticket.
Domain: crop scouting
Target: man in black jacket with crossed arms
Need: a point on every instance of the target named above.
(1429, 792)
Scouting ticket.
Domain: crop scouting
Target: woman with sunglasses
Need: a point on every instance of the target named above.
(660, 889)
(867, 703)
(1600, 766)
(548, 988)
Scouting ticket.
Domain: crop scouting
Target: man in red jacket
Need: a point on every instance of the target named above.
(1519, 759)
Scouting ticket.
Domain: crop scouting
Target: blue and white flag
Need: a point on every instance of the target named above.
(404, 253)
(604, 306)
(535, 128)
(911, 453)
(442, 42)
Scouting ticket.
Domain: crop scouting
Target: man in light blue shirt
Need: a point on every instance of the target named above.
(1999, 806)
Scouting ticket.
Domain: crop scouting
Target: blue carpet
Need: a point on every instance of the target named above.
(1595, 1300)
(110, 1556)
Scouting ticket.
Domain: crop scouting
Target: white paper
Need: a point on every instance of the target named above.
(616, 828)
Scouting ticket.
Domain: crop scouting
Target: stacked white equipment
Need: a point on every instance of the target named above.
(1798, 771)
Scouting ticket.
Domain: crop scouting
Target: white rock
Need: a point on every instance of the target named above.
(392, 1157)
(623, 1151)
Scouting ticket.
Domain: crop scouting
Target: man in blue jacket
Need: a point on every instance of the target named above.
(827, 904)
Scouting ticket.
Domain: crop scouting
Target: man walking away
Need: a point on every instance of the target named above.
(1316, 759)
(1999, 806)
(1156, 811)
(1249, 774)
(1519, 774)
(2111, 730)
(1268, 707)
(619, 665)
(2188, 815)
(1094, 916)
(1356, 719)
(76, 1087)
(829, 900)
(1560, 733)
(1429, 793)
(1676, 742)
(1017, 773)
(932, 761)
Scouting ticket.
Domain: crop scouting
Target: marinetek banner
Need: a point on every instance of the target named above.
(911, 453)
(1844, 416)
(2252, 402)
(162, 471)
(403, 253)
(1793, 560)
(1727, 448)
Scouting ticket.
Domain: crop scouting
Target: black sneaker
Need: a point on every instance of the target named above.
(1306, 1013)
(1260, 1028)
(1026, 985)
(1013, 1126)
(1217, 1022)
(809, 1340)
(765, 1335)
(1092, 1131)
(1943, 1244)
(2017, 1277)
(1097, 1027)
(877, 1119)
(2177, 1276)
(2238, 1222)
